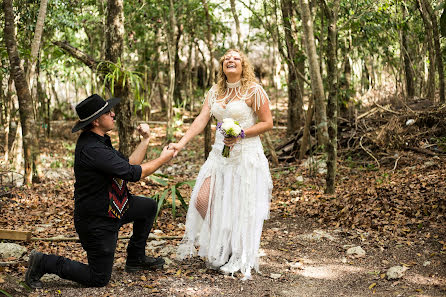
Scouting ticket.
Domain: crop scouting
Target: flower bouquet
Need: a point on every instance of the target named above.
(230, 128)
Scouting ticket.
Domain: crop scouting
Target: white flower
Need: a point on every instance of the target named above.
(227, 125)
(230, 127)
(228, 120)
(237, 129)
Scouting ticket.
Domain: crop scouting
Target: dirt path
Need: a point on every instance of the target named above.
(301, 256)
(300, 259)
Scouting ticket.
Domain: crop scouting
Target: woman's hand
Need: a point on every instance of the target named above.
(176, 147)
(230, 141)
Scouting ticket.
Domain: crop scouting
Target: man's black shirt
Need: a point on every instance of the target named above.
(101, 177)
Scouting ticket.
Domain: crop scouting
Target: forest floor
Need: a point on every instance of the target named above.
(390, 201)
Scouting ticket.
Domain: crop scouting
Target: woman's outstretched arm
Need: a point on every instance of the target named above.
(197, 126)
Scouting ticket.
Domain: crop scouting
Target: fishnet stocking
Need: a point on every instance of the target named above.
(203, 197)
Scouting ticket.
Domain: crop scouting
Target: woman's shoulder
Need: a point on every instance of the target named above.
(255, 87)
(213, 90)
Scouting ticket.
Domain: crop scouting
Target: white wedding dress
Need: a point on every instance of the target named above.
(240, 192)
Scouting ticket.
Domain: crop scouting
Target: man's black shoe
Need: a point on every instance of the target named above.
(145, 263)
(35, 270)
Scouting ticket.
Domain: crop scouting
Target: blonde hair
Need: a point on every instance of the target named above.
(248, 75)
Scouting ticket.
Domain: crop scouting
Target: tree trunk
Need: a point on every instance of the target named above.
(430, 86)
(193, 75)
(306, 134)
(162, 98)
(114, 46)
(316, 79)
(35, 45)
(207, 129)
(332, 80)
(8, 118)
(210, 45)
(18, 149)
(44, 105)
(171, 47)
(237, 25)
(178, 79)
(188, 76)
(408, 71)
(437, 48)
(23, 94)
(295, 90)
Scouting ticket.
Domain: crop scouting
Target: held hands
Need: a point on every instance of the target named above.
(167, 154)
(144, 130)
(176, 147)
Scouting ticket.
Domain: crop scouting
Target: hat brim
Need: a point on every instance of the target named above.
(111, 103)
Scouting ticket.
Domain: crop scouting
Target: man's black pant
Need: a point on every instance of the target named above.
(98, 236)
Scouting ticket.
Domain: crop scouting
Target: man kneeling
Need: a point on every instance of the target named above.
(102, 201)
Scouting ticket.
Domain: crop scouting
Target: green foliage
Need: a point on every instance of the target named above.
(69, 146)
(118, 75)
(350, 162)
(173, 191)
(384, 178)
(5, 293)
(441, 143)
(56, 164)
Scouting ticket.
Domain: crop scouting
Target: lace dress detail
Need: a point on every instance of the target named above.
(240, 193)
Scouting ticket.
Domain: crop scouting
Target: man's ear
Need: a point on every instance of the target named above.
(95, 123)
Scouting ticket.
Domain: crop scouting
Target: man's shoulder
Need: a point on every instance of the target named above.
(89, 141)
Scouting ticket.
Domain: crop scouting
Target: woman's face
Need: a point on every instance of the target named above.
(232, 64)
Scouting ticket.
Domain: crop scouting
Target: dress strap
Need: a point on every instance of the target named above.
(211, 96)
(259, 95)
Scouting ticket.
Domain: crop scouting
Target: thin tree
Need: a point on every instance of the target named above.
(294, 61)
(408, 71)
(430, 88)
(171, 26)
(315, 74)
(437, 49)
(21, 85)
(207, 129)
(331, 13)
(35, 45)
(237, 24)
(114, 47)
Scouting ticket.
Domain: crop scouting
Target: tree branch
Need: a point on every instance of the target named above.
(78, 54)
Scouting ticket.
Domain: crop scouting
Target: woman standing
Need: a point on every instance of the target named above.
(232, 194)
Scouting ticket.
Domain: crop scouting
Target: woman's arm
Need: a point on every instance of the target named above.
(265, 122)
(197, 126)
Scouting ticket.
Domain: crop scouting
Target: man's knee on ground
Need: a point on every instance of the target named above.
(100, 280)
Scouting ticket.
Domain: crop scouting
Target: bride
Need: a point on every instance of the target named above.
(232, 194)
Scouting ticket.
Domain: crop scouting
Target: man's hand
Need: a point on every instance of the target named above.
(176, 147)
(144, 130)
(167, 154)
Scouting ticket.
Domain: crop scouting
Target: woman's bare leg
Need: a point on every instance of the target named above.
(203, 197)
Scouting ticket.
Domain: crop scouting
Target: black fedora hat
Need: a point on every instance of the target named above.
(92, 108)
